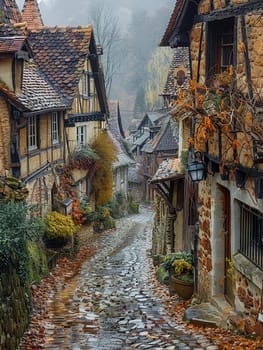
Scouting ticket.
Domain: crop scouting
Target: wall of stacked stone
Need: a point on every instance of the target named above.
(205, 249)
(248, 286)
(14, 309)
(248, 304)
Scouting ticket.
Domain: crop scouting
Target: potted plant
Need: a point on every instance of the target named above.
(183, 278)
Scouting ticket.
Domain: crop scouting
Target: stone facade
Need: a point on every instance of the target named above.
(205, 248)
(229, 202)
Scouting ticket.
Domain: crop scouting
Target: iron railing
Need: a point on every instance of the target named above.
(251, 234)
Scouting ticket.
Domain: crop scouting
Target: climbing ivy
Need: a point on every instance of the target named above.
(16, 229)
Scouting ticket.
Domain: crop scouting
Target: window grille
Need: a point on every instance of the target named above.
(251, 234)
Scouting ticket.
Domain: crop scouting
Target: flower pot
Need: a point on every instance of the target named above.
(183, 289)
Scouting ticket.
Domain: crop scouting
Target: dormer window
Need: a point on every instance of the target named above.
(87, 84)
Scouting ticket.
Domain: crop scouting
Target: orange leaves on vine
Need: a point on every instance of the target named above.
(77, 214)
(209, 126)
(191, 141)
(242, 47)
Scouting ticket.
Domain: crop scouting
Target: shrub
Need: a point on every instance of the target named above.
(102, 183)
(16, 229)
(59, 226)
(117, 205)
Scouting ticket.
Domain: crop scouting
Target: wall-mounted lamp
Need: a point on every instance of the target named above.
(240, 178)
(197, 170)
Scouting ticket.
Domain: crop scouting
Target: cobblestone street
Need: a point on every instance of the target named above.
(110, 304)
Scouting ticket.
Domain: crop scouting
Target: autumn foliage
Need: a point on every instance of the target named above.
(102, 182)
(59, 226)
(77, 214)
(223, 108)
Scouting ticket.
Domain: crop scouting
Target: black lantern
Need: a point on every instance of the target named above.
(197, 170)
(240, 179)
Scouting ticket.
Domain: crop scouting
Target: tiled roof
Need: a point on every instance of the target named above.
(10, 12)
(165, 140)
(168, 169)
(115, 122)
(37, 93)
(60, 53)
(12, 97)
(167, 137)
(153, 117)
(31, 15)
(7, 30)
(177, 9)
(122, 158)
(180, 59)
(11, 44)
(142, 139)
(114, 129)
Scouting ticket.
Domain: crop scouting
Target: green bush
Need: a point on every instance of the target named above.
(133, 208)
(109, 223)
(18, 226)
(118, 205)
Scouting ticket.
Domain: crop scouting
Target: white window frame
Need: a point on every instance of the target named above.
(55, 128)
(81, 136)
(32, 133)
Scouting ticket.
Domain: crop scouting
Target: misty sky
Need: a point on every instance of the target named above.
(68, 12)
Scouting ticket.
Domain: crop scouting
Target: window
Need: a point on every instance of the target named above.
(81, 136)
(220, 46)
(180, 77)
(251, 234)
(87, 84)
(32, 133)
(54, 128)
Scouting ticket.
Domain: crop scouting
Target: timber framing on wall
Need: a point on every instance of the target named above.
(229, 11)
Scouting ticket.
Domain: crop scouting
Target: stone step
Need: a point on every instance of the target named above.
(204, 314)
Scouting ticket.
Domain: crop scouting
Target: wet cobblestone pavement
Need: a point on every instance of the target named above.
(110, 303)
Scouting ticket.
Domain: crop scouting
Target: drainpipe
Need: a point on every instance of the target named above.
(195, 255)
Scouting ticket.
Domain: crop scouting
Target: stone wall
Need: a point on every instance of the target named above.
(14, 309)
(248, 281)
(205, 250)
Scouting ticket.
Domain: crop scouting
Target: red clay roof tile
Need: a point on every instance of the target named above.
(60, 53)
(31, 14)
(11, 45)
(37, 93)
(10, 12)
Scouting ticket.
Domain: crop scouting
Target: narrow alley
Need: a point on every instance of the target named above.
(111, 304)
